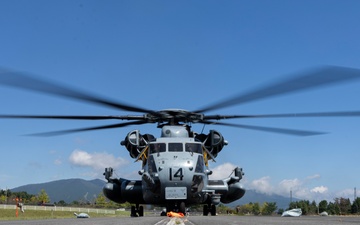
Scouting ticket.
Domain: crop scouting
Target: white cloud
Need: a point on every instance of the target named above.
(298, 187)
(288, 184)
(313, 177)
(262, 185)
(346, 193)
(96, 161)
(320, 189)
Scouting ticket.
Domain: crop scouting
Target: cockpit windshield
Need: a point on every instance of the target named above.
(192, 147)
(157, 147)
(175, 147)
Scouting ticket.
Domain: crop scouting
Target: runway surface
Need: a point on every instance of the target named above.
(197, 220)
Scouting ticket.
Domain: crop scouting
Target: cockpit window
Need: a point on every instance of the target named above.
(175, 147)
(192, 147)
(157, 147)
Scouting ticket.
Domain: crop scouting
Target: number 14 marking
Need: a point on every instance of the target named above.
(177, 175)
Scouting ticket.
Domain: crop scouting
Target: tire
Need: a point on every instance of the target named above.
(205, 210)
(141, 211)
(133, 212)
(182, 208)
(213, 210)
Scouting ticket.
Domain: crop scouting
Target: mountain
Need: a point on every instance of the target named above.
(68, 190)
(83, 191)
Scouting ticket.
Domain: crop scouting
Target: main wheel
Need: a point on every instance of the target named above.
(205, 210)
(141, 211)
(133, 212)
(213, 210)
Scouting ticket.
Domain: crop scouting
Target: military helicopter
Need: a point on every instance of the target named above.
(175, 166)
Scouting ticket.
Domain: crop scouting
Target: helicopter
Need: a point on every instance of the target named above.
(175, 166)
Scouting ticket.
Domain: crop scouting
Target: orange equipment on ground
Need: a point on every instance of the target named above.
(175, 214)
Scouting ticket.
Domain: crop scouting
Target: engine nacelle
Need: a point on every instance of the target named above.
(135, 142)
(123, 190)
(235, 192)
(213, 142)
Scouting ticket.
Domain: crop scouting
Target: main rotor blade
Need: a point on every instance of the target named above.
(72, 117)
(321, 77)
(269, 129)
(61, 132)
(25, 81)
(285, 115)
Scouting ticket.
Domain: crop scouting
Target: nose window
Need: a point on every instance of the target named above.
(192, 147)
(157, 147)
(175, 147)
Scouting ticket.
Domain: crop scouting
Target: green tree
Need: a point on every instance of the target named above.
(127, 205)
(43, 197)
(268, 208)
(333, 209)
(280, 211)
(33, 200)
(303, 204)
(344, 205)
(323, 206)
(245, 209)
(3, 199)
(293, 205)
(255, 208)
(26, 198)
(313, 209)
(100, 200)
(75, 203)
(61, 203)
(223, 209)
(355, 207)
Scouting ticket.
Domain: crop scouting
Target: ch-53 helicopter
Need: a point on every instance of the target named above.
(175, 171)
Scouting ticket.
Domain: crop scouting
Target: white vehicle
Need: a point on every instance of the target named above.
(292, 213)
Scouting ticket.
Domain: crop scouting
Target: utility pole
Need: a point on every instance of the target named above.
(355, 193)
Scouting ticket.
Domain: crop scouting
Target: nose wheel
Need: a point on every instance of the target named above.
(182, 208)
(137, 211)
(177, 207)
(209, 209)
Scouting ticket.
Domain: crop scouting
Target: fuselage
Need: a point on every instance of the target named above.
(174, 171)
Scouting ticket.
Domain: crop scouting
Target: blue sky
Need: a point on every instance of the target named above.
(182, 54)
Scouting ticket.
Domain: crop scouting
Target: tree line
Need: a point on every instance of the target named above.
(340, 206)
(9, 197)
(42, 198)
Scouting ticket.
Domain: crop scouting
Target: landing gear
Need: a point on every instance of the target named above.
(137, 211)
(205, 210)
(182, 208)
(176, 207)
(213, 210)
(141, 211)
(209, 208)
